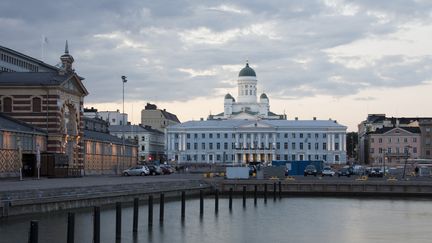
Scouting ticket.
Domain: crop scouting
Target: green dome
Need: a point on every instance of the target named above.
(229, 96)
(263, 96)
(247, 71)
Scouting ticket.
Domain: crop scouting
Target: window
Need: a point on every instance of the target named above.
(142, 138)
(316, 157)
(37, 104)
(293, 157)
(202, 135)
(316, 146)
(195, 135)
(286, 135)
(293, 146)
(211, 157)
(301, 135)
(217, 145)
(316, 135)
(277, 145)
(389, 150)
(380, 150)
(225, 146)
(202, 145)
(285, 145)
(337, 136)
(324, 135)
(309, 146)
(324, 146)
(218, 157)
(309, 157)
(324, 157)
(389, 140)
(176, 145)
(188, 146)
(188, 135)
(195, 157)
(336, 146)
(211, 135)
(142, 147)
(7, 104)
(293, 135)
(414, 140)
(218, 135)
(372, 140)
(210, 145)
(203, 157)
(286, 157)
(405, 140)
(414, 150)
(379, 140)
(336, 157)
(226, 135)
(301, 157)
(195, 146)
(309, 135)
(301, 146)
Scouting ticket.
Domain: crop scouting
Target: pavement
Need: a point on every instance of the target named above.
(89, 181)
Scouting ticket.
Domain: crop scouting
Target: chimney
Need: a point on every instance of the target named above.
(296, 118)
(314, 118)
(201, 119)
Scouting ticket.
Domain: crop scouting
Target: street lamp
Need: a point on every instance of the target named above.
(123, 123)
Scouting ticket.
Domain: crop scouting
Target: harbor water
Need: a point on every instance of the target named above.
(298, 219)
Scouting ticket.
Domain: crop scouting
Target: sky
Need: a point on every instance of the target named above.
(319, 58)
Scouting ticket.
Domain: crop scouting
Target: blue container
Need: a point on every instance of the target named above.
(296, 167)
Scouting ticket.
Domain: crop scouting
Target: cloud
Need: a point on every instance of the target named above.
(183, 50)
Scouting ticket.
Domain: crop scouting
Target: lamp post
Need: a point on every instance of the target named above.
(123, 124)
(406, 160)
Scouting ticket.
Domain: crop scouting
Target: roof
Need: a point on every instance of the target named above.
(106, 137)
(37, 79)
(233, 123)
(55, 69)
(387, 129)
(247, 71)
(8, 123)
(170, 116)
(134, 128)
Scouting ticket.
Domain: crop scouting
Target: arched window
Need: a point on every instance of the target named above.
(37, 104)
(7, 104)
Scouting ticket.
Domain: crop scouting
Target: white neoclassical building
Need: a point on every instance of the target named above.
(247, 131)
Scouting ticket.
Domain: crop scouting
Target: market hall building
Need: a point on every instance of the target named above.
(247, 131)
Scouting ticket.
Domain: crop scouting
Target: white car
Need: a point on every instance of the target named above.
(137, 170)
(327, 171)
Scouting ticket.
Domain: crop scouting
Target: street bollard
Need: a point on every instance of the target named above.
(161, 207)
(71, 228)
(274, 191)
(265, 193)
(150, 211)
(34, 228)
(96, 225)
(118, 220)
(135, 215)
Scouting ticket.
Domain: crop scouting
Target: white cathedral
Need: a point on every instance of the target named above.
(246, 106)
(247, 131)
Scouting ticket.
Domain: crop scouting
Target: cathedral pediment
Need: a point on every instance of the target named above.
(74, 85)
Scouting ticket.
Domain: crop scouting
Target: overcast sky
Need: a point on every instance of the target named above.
(325, 58)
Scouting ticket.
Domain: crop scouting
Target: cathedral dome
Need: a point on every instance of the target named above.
(247, 71)
(263, 96)
(229, 96)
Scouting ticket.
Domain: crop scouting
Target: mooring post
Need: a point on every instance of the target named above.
(230, 198)
(34, 228)
(161, 207)
(201, 203)
(96, 225)
(135, 215)
(255, 194)
(244, 196)
(274, 191)
(150, 211)
(183, 205)
(216, 201)
(71, 228)
(118, 220)
(265, 192)
(280, 189)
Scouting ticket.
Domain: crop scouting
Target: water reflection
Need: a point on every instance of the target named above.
(289, 219)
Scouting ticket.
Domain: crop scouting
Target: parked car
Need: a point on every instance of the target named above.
(137, 170)
(376, 172)
(310, 170)
(345, 171)
(155, 169)
(166, 169)
(327, 171)
(252, 169)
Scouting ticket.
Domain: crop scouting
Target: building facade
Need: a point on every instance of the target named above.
(157, 118)
(426, 138)
(13, 61)
(394, 145)
(244, 134)
(112, 117)
(151, 142)
(105, 153)
(20, 143)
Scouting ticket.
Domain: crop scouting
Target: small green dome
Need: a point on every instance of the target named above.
(247, 71)
(263, 96)
(229, 96)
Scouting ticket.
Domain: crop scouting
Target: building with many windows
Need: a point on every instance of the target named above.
(248, 132)
(13, 61)
(157, 118)
(151, 142)
(112, 117)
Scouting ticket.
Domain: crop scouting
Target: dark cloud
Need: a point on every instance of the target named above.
(154, 42)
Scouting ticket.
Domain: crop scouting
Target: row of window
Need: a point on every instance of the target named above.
(3, 69)
(301, 146)
(7, 104)
(397, 150)
(248, 135)
(18, 62)
(219, 157)
(394, 140)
